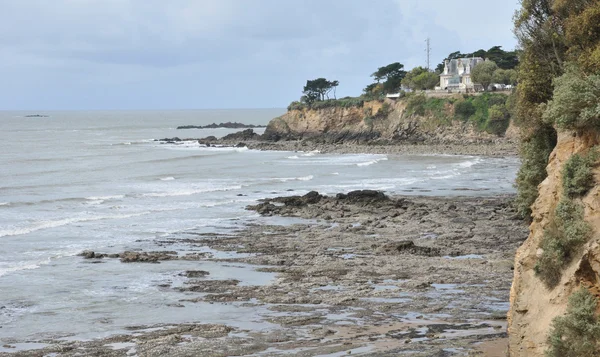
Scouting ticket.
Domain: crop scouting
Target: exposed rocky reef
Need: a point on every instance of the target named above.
(227, 125)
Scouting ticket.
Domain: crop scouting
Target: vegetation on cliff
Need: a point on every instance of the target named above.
(577, 334)
(558, 80)
(559, 90)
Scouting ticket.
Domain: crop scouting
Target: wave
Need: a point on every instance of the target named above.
(287, 179)
(170, 178)
(189, 192)
(469, 163)
(41, 225)
(372, 162)
(104, 198)
(4, 203)
(26, 266)
(295, 157)
(312, 153)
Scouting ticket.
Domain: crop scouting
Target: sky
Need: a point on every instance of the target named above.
(201, 54)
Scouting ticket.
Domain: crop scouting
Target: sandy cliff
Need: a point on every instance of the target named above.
(533, 305)
(375, 122)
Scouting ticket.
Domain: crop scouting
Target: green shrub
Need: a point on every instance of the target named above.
(296, 106)
(464, 109)
(534, 153)
(384, 111)
(415, 104)
(577, 333)
(577, 174)
(495, 99)
(576, 100)
(498, 119)
(566, 233)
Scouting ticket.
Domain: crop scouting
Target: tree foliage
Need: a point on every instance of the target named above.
(576, 100)
(504, 59)
(483, 73)
(318, 89)
(420, 78)
(390, 77)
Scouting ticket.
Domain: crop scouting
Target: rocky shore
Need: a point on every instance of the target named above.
(248, 138)
(359, 273)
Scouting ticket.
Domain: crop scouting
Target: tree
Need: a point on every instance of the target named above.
(505, 76)
(391, 76)
(420, 78)
(483, 73)
(318, 89)
(334, 85)
(576, 100)
(504, 59)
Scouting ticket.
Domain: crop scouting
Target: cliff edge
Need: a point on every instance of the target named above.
(385, 122)
(534, 305)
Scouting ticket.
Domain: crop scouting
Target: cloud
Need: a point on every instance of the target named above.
(190, 52)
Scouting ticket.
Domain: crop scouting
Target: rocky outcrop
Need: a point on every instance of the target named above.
(376, 122)
(228, 125)
(533, 305)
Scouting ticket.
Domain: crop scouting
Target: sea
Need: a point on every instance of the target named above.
(97, 180)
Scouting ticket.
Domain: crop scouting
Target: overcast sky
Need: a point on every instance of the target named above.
(187, 54)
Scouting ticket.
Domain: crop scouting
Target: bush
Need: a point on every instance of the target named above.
(577, 333)
(534, 153)
(576, 100)
(498, 120)
(297, 106)
(566, 233)
(577, 174)
(384, 111)
(415, 104)
(464, 109)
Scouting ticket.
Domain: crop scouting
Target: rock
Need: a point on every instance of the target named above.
(228, 125)
(88, 254)
(244, 135)
(143, 257)
(195, 273)
(408, 247)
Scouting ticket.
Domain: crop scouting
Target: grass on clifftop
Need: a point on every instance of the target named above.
(489, 112)
(577, 333)
(346, 102)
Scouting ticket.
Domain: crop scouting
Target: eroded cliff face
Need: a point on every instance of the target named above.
(533, 305)
(373, 123)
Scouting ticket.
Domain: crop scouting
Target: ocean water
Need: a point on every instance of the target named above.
(97, 180)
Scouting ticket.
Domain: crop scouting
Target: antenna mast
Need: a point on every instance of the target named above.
(428, 50)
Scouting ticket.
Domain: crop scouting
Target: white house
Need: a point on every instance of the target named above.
(457, 73)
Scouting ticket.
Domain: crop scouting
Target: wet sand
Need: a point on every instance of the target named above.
(358, 274)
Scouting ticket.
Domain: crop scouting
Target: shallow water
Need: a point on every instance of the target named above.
(97, 180)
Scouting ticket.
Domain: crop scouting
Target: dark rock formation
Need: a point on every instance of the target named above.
(228, 125)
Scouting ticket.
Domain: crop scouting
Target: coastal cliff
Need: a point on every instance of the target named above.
(534, 305)
(384, 122)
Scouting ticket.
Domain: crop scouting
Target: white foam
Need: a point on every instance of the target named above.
(167, 178)
(469, 163)
(372, 162)
(40, 225)
(22, 266)
(190, 192)
(287, 179)
(312, 153)
(295, 157)
(104, 198)
(4, 203)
